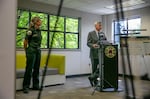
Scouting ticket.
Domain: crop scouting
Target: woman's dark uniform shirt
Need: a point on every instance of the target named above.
(34, 38)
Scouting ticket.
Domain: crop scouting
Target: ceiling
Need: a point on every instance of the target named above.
(100, 7)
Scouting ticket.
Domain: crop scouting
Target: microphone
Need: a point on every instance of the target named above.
(101, 35)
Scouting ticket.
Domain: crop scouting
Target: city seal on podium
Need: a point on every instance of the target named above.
(110, 51)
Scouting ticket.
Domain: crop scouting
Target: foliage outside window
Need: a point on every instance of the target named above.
(64, 36)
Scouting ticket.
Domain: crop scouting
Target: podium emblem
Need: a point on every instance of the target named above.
(110, 51)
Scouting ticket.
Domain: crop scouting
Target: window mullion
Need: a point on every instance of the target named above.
(48, 31)
(64, 32)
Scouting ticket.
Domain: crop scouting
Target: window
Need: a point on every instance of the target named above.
(121, 27)
(64, 36)
(22, 24)
(134, 24)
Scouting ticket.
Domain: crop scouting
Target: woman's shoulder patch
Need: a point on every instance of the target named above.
(29, 32)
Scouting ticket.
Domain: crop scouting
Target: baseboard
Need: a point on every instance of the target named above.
(80, 75)
(77, 75)
(128, 76)
(88, 74)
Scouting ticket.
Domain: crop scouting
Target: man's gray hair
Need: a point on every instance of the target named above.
(97, 22)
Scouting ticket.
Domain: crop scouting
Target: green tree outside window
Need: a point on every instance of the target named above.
(66, 33)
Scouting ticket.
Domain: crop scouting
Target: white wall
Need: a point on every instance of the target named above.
(7, 48)
(77, 62)
(137, 62)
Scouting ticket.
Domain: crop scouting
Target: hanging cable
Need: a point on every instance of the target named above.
(120, 16)
(49, 51)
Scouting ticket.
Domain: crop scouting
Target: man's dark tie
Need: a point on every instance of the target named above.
(99, 36)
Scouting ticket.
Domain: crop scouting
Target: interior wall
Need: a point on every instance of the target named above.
(143, 13)
(77, 62)
(138, 67)
(7, 48)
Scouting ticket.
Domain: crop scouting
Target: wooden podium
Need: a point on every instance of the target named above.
(108, 60)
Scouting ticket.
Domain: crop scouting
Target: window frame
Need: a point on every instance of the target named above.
(123, 33)
(49, 31)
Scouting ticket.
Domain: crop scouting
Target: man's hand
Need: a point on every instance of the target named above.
(95, 46)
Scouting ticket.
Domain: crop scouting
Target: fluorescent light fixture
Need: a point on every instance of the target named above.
(129, 3)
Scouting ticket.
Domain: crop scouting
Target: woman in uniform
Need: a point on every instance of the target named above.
(32, 45)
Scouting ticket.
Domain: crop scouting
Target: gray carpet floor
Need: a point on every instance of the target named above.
(80, 88)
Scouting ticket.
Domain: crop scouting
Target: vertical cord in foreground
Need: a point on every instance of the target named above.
(49, 51)
(118, 29)
(120, 16)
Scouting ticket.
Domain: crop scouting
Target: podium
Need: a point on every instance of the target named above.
(108, 62)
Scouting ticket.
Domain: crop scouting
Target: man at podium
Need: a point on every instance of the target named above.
(93, 40)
